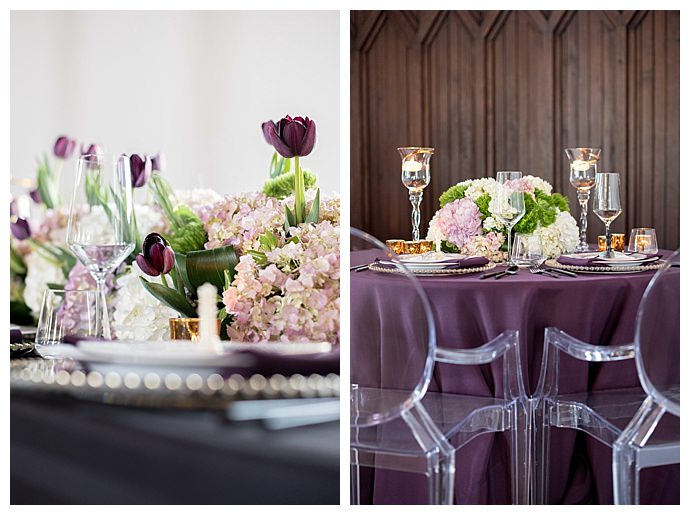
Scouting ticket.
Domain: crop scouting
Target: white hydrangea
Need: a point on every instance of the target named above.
(39, 273)
(197, 198)
(149, 219)
(479, 187)
(492, 224)
(560, 237)
(138, 315)
(537, 183)
(96, 222)
(434, 233)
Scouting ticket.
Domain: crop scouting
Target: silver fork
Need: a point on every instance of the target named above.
(534, 269)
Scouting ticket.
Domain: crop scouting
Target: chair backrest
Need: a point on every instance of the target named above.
(392, 335)
(657, 336)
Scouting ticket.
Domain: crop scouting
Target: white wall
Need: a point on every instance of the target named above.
(196, 85)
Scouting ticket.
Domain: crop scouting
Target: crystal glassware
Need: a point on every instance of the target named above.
(527, 250)
(100, 230)
(416, 176)
(583, 171)
(607, 204)
(509, 202)
(66, 312)
(643, 240)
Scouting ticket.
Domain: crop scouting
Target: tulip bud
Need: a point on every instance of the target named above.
(291, 136)
(20, 229)
(156, 256)
(92, 150)
(140, 168)
(158, 162)
(64, 147)
(35, 196)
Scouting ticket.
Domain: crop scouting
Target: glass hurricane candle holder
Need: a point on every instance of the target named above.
(643, 239)
(416, 175)
(583, 171)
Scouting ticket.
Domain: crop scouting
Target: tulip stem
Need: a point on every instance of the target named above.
(164, 281)
(299, 192)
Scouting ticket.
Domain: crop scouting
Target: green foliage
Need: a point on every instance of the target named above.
(48, 183)
(560, 202)
(170, 297)
(449, 247)
(453, 193)
(483, 204)
(283, 185)
(210, 266)
(279, 165)
(190, 235)
(541, 210)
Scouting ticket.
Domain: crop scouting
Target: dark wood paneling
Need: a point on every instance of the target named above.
(501, 90)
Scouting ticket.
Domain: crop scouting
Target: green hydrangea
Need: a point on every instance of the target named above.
(453, 193)
(191, 235)
(284, 185)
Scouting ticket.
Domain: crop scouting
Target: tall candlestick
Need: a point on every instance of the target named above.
(208, 314)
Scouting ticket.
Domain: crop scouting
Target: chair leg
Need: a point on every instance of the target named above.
(520, 453)
(354, 484)
(626, 476)
(541, 430)
(434, 481)
(447, 466)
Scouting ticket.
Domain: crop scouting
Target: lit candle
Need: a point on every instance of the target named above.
(411, 166)
(208, 314)
(580, 166)
(643, 242)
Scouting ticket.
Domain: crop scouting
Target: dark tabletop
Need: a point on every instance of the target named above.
(65, 450)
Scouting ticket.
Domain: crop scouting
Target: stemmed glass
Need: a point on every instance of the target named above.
(416, 176)
(583, 171)
(100, 230)
(607, 204)
(509, 202)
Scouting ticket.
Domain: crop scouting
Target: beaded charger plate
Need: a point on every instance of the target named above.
(431, 271)
(181, 389)
(632, 269)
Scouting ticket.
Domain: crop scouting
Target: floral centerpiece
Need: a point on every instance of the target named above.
(273, 255)
(466, 221)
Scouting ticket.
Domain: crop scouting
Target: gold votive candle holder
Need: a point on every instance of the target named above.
(397, 246)
(418, 246)
(186, 329)
(617, 242)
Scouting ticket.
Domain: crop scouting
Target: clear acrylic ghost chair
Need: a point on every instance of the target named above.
(395, 423)
(624, 419)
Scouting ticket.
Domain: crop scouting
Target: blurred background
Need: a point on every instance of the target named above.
(194, 85)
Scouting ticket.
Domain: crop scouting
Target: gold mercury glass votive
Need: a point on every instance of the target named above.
(186, 329)
(617, 242)
(397, 246)
(418, 246)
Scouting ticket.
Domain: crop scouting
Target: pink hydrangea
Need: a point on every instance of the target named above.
(73, 311)
(295, 296)
(460, 220)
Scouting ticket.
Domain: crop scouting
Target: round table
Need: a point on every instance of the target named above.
(595, 308)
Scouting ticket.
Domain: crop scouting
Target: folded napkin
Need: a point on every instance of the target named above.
(15, 336)
(596, 261)
(450, 264)
(268, 363)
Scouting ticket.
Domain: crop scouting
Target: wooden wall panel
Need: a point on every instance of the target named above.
(501, 90)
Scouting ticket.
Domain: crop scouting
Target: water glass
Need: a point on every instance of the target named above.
(527, 250)
(607, 204)
(643, 240)
(66, 312)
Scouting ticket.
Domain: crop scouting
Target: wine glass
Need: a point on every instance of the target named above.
(583, 171)
(508, 205)
(100, 230)
(416, 176)
(607, 204)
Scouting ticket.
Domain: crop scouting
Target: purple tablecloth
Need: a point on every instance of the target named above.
(469, 311)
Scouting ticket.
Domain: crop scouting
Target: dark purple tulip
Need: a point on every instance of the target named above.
(36, 196)
(92, 150)
(64, 147)
(20, 229)
(158, 162)
(156, 256)
(140, 167)
(291, 136)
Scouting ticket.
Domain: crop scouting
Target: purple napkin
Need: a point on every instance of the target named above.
(453, 264)
(595, 261)
(268, 363)
(73, 339)
(15, 336)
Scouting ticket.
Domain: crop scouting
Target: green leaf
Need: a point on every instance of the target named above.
(181, 268)
(289, 220)
(44, 180)
(17, 265)
(20, 313)
(313, 216)
(170, 297)
(268, 241)
(453, 193)
(208, 266)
